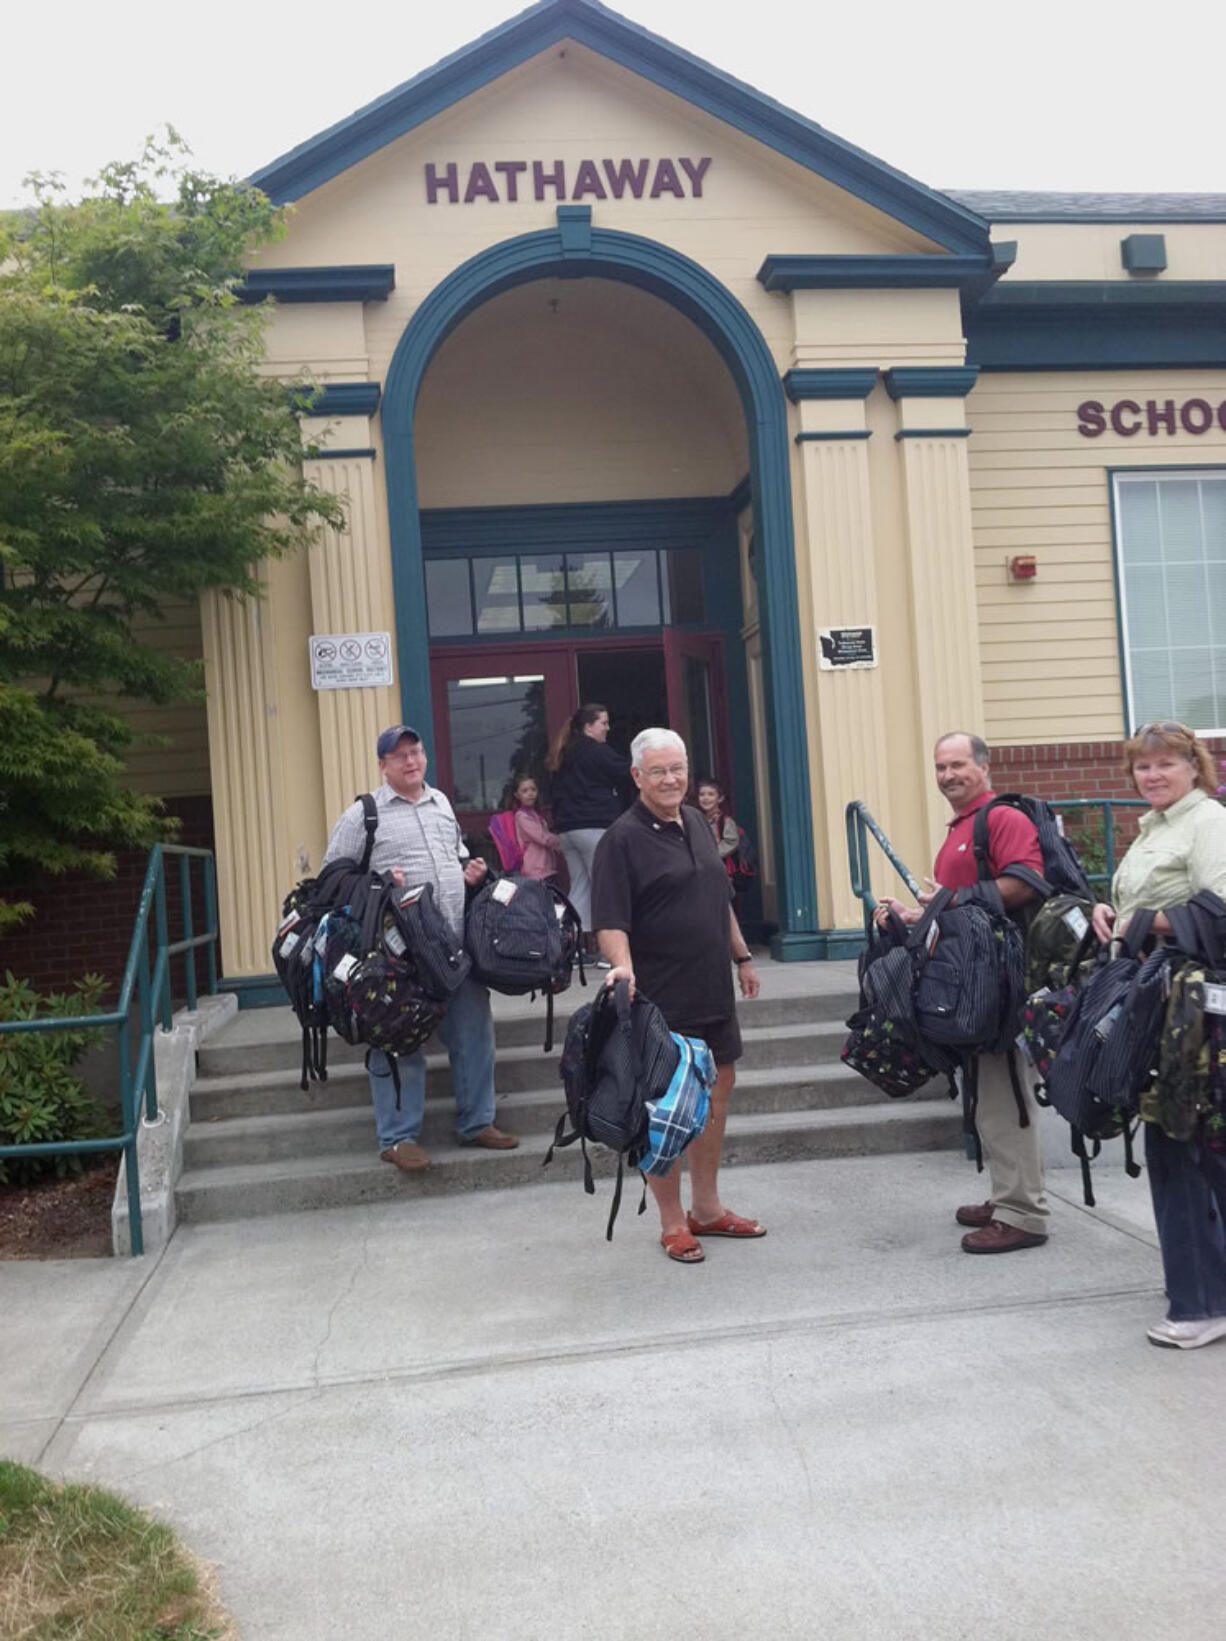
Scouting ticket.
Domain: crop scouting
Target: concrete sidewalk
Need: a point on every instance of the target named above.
(456, 1418)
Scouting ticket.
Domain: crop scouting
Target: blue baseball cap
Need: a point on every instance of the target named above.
(391, 739)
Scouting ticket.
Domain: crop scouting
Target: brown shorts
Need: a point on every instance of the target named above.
(722, 1037)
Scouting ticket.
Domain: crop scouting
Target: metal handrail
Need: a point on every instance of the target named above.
(861, 826)
(149, 984)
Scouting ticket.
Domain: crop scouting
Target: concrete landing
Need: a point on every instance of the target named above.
(474, 1418)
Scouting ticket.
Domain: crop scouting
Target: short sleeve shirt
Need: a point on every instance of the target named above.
(1012, 841)
(663, 885)
(1179, 852)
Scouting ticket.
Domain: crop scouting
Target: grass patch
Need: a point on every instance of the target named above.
(78, 1564)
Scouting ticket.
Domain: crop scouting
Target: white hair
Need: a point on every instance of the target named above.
(655, 740)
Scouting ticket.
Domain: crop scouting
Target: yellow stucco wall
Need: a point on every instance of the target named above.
(1051, 669)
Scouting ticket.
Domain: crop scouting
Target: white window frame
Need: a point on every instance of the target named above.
(1120, 478)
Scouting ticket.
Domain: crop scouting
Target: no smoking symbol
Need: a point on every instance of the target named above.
(351, 650)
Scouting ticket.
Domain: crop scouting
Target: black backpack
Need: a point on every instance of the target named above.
(342, 883)
(882, 1043)
(618, 1055)
(522, 936)
(968, 964)
(409, 967)
(1095, 1090)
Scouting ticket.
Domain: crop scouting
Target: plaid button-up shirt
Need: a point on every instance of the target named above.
(422, 839)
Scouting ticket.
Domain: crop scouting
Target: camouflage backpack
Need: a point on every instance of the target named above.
(1188, 1096)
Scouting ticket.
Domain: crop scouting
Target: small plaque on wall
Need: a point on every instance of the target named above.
(842, 647)
(350, 660)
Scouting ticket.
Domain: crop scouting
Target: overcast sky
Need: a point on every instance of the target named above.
(1050, 94)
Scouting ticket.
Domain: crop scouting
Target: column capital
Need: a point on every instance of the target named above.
(931, 381)
(828, 384)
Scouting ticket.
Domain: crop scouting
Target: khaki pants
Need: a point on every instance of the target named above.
(1011, 1152)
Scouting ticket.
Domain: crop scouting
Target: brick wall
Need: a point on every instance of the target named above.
(81, 924)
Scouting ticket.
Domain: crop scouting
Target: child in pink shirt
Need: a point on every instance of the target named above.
(542, 852)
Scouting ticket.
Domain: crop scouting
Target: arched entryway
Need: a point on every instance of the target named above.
(576, 250)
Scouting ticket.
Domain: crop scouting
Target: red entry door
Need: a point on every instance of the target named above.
(698, 704)
(495, 713)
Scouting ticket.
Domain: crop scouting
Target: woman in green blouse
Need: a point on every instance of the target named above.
(1180, 851)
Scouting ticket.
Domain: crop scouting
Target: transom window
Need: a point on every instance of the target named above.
(552, 592)
(1172, 569)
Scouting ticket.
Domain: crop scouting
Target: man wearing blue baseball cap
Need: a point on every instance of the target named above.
(419, 841)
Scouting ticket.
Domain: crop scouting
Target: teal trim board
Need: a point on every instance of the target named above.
(829, 384)
(357, 283)
(703, 300)
(827, 438)
(876, 273)
(341, 455)
(337, 399)
(930, 381)
(933, 433)
(1099, 325)
(651, 58)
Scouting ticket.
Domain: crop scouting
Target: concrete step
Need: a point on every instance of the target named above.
(265, 1135)
(516, 1070)
(271, 1039)
(335, 1180)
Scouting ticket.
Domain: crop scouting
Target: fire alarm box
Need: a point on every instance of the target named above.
(1023, 567)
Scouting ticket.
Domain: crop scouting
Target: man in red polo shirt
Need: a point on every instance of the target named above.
(1017, 1215)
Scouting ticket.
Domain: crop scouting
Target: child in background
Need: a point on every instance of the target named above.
(723, 827)
(542, 851)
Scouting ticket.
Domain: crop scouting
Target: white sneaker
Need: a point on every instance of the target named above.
(1188, 1335)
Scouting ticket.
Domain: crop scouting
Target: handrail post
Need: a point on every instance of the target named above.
(1109, 842)
(189, 966)
(210, 918)
(145, 991)
(161, 1003)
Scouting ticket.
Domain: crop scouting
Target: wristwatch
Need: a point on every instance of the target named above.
(748, 958)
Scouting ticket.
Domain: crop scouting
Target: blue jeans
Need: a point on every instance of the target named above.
(1188, 1185)
(467, 1029)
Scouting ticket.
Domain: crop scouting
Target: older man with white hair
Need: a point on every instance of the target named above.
(662, 910)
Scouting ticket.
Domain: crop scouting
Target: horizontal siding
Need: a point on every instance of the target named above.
(1050, 647)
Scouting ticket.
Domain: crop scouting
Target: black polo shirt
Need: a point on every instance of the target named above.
(663, 884)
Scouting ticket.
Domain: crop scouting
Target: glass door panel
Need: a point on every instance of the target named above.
(495, 712)
(697, 703)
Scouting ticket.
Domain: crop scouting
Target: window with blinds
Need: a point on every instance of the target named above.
(1171, 556)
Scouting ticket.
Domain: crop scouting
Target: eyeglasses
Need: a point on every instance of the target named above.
(1165, 727)
(674, 772)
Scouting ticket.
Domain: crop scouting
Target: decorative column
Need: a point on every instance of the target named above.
(931, 438)
(850, 759)
(350, 588)
(244, 752)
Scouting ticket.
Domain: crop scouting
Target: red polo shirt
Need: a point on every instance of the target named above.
(1012, 841)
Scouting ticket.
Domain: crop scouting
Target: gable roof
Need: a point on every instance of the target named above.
(590, 24)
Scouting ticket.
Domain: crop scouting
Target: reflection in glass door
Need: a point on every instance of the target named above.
(495, 711)
(694, 669)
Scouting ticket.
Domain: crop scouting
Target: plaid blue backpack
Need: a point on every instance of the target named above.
(680, 1114)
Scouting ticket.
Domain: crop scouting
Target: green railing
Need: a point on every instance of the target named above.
(144, 1002)
(861, 827)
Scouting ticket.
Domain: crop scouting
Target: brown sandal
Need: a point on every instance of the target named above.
(728, 1224)
(684, 1248)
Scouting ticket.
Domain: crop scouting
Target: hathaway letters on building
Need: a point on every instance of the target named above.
(592, 180)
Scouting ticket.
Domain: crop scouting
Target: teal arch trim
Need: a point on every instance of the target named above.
(708, 304)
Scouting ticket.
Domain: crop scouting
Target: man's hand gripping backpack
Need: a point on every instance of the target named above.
(882, 1043)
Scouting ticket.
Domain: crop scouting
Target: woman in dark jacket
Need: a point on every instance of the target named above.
(591, 783)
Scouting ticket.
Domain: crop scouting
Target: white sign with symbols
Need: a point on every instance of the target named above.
(350, 660)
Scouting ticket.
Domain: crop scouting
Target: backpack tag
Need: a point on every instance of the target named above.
(287, 923)
(1215, 999)
(1059, 823)
(288, 944)
(1023, 1044)
(931, 938)
(394, 941)
(504, 891)
(1076, 922)
(559, 911)
(345, 967)
(410, 897)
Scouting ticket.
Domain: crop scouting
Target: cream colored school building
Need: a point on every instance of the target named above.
(643, 389)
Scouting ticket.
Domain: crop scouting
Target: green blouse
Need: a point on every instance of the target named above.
(1180, 851)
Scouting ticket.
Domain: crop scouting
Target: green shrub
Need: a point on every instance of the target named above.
(41, 1100)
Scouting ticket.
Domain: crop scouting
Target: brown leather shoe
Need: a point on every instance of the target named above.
(975, 1213)
(493, 1139)
(998, 1238)
(407, 1156)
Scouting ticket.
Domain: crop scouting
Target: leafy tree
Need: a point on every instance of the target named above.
(142, 459)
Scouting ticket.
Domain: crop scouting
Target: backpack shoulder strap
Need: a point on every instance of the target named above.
(980, 838)
(981, 843)
(370, 819)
